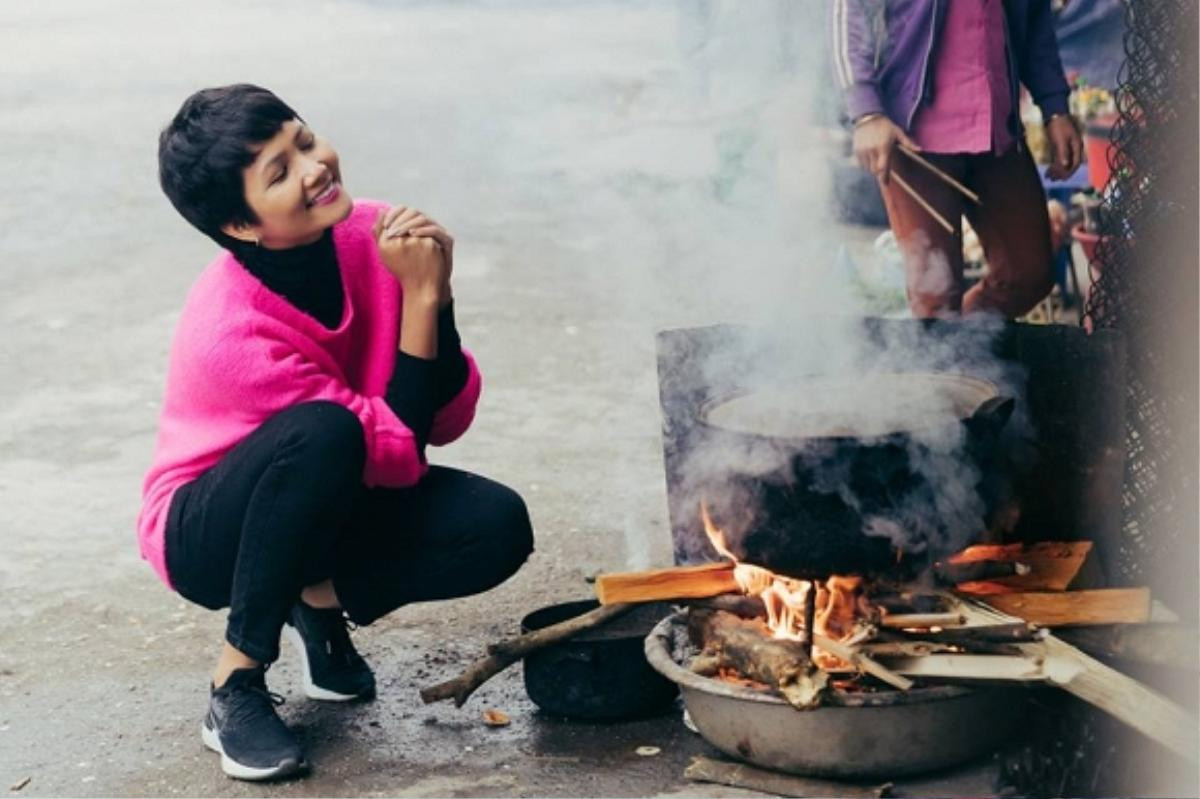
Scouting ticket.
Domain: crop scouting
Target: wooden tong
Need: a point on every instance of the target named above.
(945, 178)
(941, 175)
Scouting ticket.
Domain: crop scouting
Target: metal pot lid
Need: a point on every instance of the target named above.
(851, 406)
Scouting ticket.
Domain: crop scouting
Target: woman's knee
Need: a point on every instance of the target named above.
(326, 433)
(512, 530)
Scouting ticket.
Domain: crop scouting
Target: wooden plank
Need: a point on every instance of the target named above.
(1052, 565)
(1124, 698)
(971, 668)
(1077, 608)
(862, 662)
(1056, 662)
(679, 582)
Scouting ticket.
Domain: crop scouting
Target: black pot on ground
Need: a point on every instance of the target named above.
(600, 674)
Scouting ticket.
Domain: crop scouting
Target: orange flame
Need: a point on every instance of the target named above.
(840, 603)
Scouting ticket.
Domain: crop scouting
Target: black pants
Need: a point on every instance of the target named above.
(286, 508)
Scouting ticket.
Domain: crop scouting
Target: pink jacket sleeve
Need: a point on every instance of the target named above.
(260, 375)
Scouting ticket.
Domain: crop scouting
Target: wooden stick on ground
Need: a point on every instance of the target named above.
(921, 201)
(505, 653)
(941, 175)
(774, 783)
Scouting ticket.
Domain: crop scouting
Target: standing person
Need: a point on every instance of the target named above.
(942, 77)
(315, 359)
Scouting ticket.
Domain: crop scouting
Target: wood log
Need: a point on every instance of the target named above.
(1052, 565)
(775, 783)
(505, 653)
(746, 646)
(1077, 608)
(679, 582)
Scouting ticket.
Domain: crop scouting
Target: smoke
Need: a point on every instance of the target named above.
(924, 493)
(666, 166)
(705, 199)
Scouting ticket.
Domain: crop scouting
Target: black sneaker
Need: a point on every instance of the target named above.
(243, 727)
(332, 668)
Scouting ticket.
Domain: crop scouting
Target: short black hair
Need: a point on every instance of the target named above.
(202, 152)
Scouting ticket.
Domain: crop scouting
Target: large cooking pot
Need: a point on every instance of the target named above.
(838, 474)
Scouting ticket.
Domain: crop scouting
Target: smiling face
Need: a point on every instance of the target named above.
(294, 187)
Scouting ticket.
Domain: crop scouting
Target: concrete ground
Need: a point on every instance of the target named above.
(608, 169)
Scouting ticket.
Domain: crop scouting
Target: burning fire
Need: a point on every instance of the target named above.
(839, 602)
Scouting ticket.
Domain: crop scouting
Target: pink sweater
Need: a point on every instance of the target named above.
(242, 353)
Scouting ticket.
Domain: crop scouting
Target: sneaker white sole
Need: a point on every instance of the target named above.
(238, 771)
(312, 690)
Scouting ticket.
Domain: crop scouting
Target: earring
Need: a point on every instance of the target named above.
(257, 241)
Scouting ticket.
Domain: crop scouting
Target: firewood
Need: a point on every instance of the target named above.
(1148, 712)
(748, 607)
(946, 573)
(862, 662)
(1077, 608)
(746, 646)
(774, 783)
(679, 582)
(905, 620)
(505, 653)
(1052, 565)
(1055, 662)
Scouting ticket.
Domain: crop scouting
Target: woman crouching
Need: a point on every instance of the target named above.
(315, 359)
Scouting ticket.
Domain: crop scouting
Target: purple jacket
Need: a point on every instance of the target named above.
(882, 50)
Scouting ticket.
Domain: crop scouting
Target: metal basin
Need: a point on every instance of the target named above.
(853, 736)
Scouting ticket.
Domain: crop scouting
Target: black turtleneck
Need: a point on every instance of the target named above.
(309, 278)
(306, 276)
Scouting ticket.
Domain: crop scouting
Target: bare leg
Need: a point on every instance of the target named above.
(231, 660)
(320, 595)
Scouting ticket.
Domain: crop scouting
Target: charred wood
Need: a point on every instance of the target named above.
(746, 646)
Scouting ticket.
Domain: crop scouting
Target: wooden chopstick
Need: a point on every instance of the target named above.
(941, 220)
(970, 195)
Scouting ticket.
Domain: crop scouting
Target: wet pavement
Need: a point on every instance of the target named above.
(608, 169)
